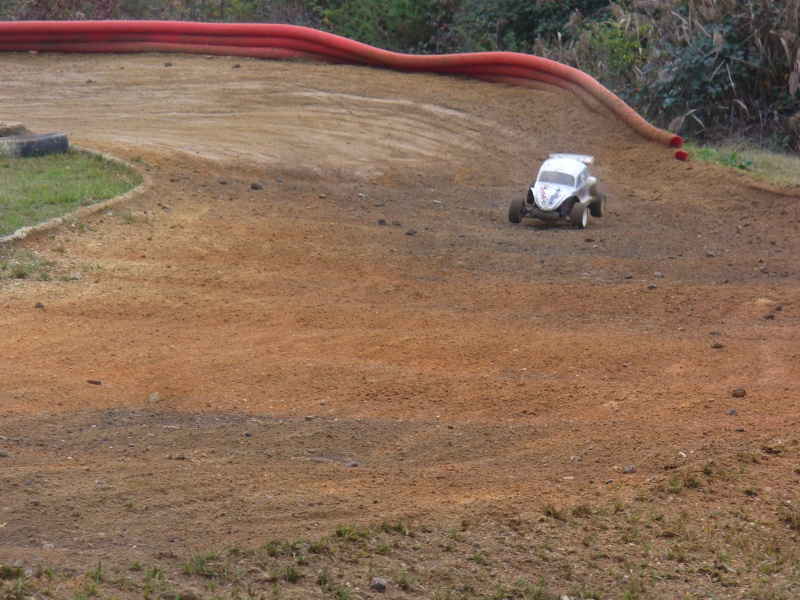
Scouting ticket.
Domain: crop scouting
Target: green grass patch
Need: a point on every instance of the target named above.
(762, 165)
(35, 189)
(24, 264)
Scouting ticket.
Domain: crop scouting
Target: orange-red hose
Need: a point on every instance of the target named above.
(284, 41)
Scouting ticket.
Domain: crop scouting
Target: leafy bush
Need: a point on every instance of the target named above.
(399, 25)
(723, 65)
(39, 10)
(616, 50)
(297, 12)
(513, 25)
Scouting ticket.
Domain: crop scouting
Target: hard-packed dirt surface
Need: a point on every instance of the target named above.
(314, 319)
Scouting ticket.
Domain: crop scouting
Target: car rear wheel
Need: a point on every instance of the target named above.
(579, 216)
(515, 210)
(598, 207)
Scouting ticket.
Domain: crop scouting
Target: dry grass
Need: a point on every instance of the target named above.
(640, 549)
(778, 169)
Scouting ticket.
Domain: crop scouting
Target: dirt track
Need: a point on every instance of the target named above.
(367, 338)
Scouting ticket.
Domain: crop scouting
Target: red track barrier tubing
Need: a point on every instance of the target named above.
(270, 41)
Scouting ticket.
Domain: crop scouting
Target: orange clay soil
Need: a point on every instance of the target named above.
(316, 312)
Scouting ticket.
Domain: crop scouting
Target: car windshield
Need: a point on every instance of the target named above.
(556, 177)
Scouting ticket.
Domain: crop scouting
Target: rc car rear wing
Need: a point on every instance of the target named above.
(584, 158)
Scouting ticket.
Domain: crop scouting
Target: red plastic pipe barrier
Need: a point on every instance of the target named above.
(285, 41)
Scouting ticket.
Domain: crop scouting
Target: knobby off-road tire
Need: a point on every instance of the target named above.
(21, 146)
(579, 216)
(598, 208)
(515, 210)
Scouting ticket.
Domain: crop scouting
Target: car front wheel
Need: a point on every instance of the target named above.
(515, 210)
(598, 207)
(579, 216)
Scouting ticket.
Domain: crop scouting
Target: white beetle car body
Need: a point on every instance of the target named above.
(563, 190)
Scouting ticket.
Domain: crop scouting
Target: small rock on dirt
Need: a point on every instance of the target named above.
(3, 454)
(154, 398)
(716, 344)
(411, 231)
(629, 469)
(739, 392)
(256, 186)
(378, 584)
(38, 305)
(351, 464)
(94, 382)
(732, 412)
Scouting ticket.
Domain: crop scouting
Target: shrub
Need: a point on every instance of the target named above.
(723, 65)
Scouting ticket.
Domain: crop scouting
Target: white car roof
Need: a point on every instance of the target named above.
(569, 166)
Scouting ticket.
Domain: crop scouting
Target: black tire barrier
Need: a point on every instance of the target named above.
(22, 146)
